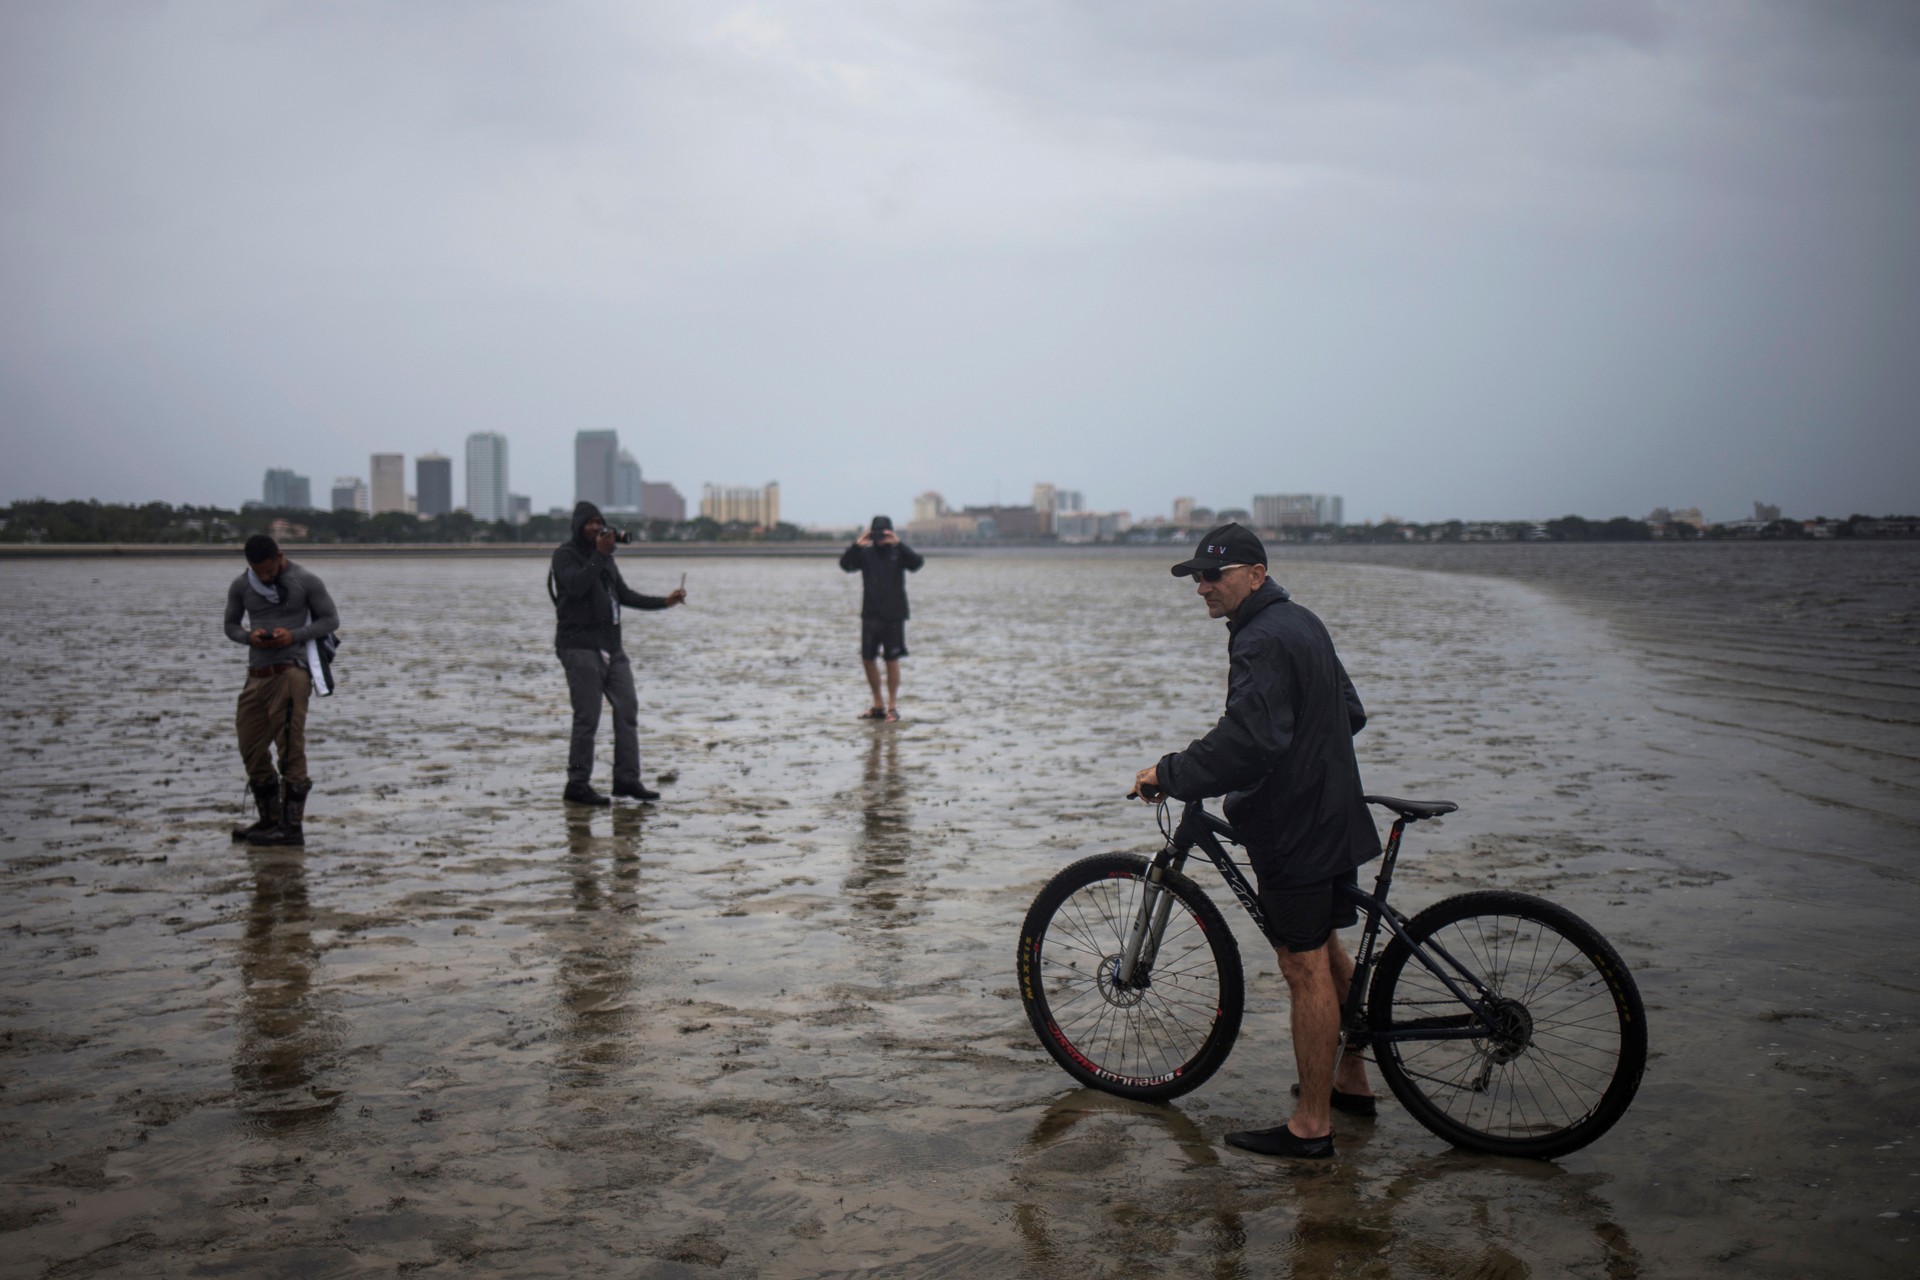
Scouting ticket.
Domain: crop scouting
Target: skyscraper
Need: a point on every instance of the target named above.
(433, 484)
(285, 490)
(487, 477)
(730, 504)
(389, 488)
(1279, 510)
(594, 456)
(350, 494)
(628, 493)
(661, 501)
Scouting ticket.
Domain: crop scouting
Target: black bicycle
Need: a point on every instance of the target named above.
(1502, 1022)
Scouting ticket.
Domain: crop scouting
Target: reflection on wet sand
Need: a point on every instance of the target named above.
(880, 874)
(1166, 1198)
(287, 1033)
(596, 950)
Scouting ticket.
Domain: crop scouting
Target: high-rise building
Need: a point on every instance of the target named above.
(929, 507)
(661, 501)
(1281, 510)
(285, 490)
(433, 484)
(487, 477)
(1050, 500)
(628, 491)
(519, 508)
(742, 504)
(350, 494)
(388, 491)
(594, 456)
(1183, 511)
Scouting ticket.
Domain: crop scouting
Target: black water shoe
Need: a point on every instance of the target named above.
(635, 791)
(1354, 1104)
(1282, 1141)
(583, 793)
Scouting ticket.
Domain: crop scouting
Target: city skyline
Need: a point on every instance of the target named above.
(1445, 260)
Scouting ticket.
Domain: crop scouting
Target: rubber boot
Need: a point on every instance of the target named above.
(292, 810)
(266, 798)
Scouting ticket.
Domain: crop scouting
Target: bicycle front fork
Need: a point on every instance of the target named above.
(1133, 967)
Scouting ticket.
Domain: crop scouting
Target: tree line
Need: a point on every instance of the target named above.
(160, 523)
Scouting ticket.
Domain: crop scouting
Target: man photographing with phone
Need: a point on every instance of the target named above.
(587, 592)
(883, 563)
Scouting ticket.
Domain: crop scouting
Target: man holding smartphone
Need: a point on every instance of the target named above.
(284, 606)
(587, 592)
(883, 562)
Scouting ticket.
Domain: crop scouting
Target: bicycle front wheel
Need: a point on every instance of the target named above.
(1157, 1036)
(1568, 1041)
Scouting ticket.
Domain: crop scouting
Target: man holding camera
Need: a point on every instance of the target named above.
(283, 607)
(587, 593)
(883, 562)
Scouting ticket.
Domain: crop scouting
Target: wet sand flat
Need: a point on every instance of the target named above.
(768, 1027)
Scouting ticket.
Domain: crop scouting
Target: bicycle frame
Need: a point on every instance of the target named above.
(1200, 830)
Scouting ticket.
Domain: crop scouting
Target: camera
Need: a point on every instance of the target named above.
(620, 535)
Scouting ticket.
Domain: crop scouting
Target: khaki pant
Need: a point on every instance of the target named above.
(273, 711)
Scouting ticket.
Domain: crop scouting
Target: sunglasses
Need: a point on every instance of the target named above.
(1213, 575)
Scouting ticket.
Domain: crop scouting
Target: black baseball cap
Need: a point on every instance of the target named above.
(880, 525)
(1223, 545)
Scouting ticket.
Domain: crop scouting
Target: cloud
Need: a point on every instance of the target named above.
(1011, 238)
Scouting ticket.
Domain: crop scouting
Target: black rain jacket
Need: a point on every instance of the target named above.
(883, 572)
(585, 584)
(1283, 752)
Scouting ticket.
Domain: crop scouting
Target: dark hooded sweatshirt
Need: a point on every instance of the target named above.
(587, 588)
(1283, 752)
(883, 573)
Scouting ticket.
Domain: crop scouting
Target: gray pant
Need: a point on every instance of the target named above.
(591, 677)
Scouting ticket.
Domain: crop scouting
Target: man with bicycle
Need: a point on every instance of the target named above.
(1282, 755)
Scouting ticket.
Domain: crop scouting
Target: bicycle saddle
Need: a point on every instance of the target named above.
(1414, 810)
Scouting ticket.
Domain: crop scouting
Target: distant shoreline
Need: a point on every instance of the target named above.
(1422, 555)
(389, 550)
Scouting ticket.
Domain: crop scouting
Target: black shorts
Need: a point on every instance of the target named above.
(1303, 916)
(879, 637)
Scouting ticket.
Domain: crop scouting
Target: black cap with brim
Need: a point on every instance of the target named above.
(1223, 545)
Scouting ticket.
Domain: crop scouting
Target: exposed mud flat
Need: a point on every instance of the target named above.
(768, 1027)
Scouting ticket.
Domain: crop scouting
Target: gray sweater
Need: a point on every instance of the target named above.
(301, 593)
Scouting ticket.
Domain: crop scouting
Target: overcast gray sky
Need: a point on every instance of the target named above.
(1506, 258)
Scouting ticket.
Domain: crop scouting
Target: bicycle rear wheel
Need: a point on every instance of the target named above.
(1154, 1038)
(1569, 1041)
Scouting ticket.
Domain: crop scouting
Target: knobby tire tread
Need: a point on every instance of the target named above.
(1058, 925)
(1614, 1004)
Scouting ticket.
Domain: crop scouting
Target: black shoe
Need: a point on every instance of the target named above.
(293, 810)
(1354, 1104)
(266, 799)
(583, 793)
(1282, 1141)
(635, 791)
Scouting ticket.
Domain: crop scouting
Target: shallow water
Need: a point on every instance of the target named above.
(769, 1027)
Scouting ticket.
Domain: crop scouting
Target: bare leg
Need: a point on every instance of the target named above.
(1352, 1076)
(1316, 1035)
(872, 666)
(893, 686)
